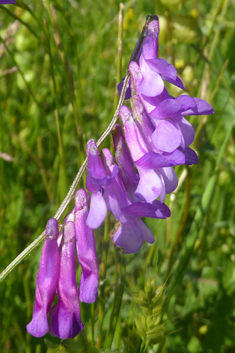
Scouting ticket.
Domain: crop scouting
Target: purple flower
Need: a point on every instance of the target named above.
(143, 121)
(128, 90)
(96, 180)
(65, 314)
(168, 116)
(154, 70)
(149, 72)
(86, 250)
(157, 176)
(132, 232)
(7, 2)
(167, 119)
(47, 280)
(126, 168)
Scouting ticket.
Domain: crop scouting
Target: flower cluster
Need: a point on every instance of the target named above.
(57, 274)
(131, 186)
(157, 138)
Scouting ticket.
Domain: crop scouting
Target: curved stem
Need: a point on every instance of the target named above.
(70, 193)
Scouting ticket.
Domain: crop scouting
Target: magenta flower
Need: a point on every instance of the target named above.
(168, 116)
(47, 280)
(125, 164)
(96, 180)
(65, 314)
(7, 2)
(157, 176)
(86, 250)
(153, 70)
(132, 232)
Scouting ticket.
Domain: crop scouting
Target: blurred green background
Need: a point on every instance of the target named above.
(58, 76)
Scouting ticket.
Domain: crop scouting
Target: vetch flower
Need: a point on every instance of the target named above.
(95, 181)
(151, 70)
(86, 250)
(168, 116)
(125, 164)
(7, 2)
(132, 232)
(65, 314)
(47, 280)
(155, 172)
(154, 70)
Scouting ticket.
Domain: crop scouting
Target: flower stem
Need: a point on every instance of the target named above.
(70, 193)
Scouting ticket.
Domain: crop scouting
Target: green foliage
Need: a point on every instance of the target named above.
(148, 324)
(58, 68)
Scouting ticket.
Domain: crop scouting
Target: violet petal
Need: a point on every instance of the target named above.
(177, 82)
(187, 132)
(186, 102)
(152, 83)
(170, 179)
(129, 236)
(152, 160)
(47, 280)
(143, 209)
(98, 210)
(166, 136)
(147, 234)
(65, 315)
(86, 250)
(128, 91)
(162, 67)
(202, 108)
(125, 164)
(166, 109)
(150, 185)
